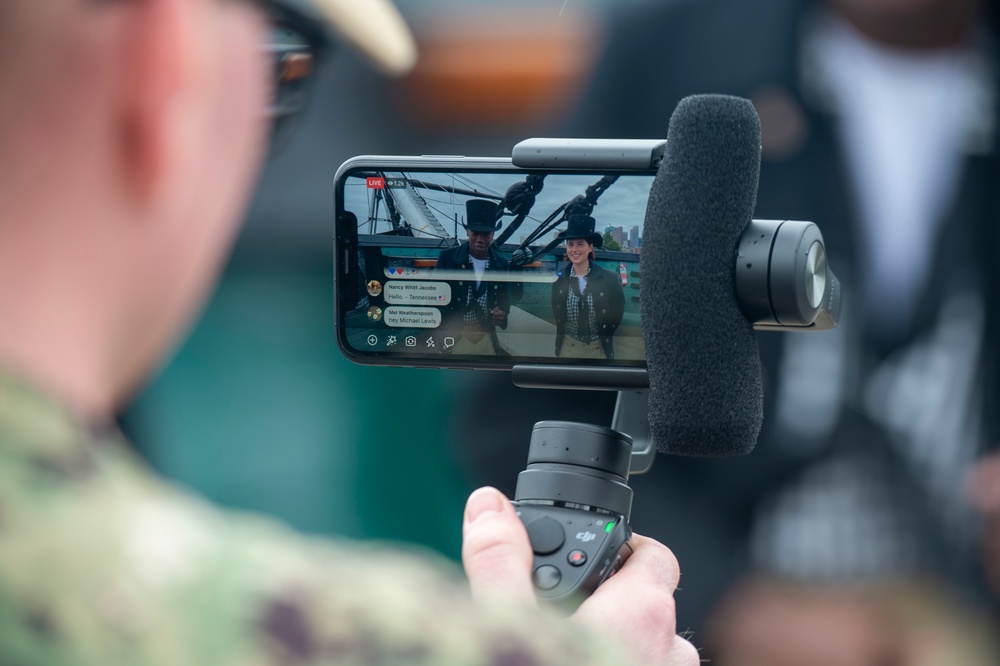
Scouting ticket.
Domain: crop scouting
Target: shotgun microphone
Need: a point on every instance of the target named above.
(712, 275)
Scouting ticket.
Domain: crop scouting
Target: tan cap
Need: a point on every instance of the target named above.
(374, 27)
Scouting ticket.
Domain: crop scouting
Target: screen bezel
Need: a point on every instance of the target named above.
(346, 246)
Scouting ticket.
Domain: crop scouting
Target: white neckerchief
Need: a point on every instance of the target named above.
(581, 279)
(479, 267)
(906, 122)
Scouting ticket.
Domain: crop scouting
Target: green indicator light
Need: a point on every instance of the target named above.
(609, 527)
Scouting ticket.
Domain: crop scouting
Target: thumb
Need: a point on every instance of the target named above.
(495, 549)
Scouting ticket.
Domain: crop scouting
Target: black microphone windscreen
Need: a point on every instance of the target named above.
(706, 395)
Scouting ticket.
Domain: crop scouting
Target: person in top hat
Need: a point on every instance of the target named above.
(587, 301)
(478, 305)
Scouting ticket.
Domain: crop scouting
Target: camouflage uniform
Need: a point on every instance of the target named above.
(103, 563)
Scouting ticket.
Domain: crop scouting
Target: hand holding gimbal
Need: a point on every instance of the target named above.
(575, 503)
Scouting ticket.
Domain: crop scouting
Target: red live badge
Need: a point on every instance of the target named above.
(375, 183)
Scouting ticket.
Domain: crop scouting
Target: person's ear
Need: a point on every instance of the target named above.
(160, 66)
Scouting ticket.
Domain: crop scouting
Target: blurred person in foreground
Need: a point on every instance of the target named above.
(849, 526)
(130, 134)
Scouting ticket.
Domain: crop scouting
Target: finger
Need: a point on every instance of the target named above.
(496, 553)
(652, 563)
(683, 653)
(638, 602)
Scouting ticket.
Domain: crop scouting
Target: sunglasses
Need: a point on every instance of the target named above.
(296, 44)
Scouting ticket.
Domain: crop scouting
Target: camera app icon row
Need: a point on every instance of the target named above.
(413, 341)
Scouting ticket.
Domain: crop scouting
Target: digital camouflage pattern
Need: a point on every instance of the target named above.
(102, 563)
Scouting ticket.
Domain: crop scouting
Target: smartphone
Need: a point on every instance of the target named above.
(465, 262)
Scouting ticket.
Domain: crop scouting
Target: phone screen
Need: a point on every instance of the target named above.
(471, 262)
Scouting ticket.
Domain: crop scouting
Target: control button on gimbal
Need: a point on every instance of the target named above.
(546, 534)
(546, 577)
(577, 558)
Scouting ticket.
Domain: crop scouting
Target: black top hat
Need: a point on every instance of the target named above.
(582, 226)
(481, 215)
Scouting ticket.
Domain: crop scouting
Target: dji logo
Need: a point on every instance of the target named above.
(585, 536)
